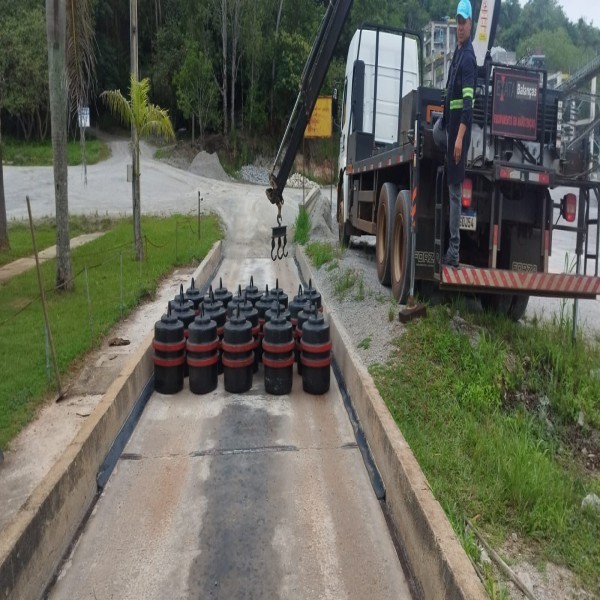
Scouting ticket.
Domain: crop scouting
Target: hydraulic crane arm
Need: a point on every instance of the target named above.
(310, 85)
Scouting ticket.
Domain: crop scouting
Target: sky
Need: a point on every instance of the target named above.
(575, 9)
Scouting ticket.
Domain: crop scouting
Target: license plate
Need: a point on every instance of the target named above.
(468, 220)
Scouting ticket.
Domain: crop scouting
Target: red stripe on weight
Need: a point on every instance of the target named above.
(168, 362)
(168, 347)
(238, 364)
(238, 348)
(202, 347)
(315, 348)
(199, 363)
(315, 364)
(278, 348)
(277, 364)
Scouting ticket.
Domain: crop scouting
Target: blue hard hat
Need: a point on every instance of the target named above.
(464, 9)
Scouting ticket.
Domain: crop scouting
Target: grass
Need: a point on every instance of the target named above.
(45, 234)
(76, 326)
(491, 415)
(39, 153)
(302, 227)
(321, 253)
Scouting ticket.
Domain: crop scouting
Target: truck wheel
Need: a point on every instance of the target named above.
(344, 237)
(498, 303)
(518, 307)
(383, 231)
(401, 248)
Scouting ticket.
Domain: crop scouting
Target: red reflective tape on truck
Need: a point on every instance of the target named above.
(207, 347)
(549, 284)
(238, 348)
(315, 348)
(278, 348)
(315, 363)
(168, 347)
(168, 362)
(238, 363)
(277, 364)
(199, 363)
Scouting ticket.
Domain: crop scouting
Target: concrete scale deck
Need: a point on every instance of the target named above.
(238, 496)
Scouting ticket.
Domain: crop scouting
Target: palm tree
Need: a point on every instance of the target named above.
(70, 66)
(145, 119)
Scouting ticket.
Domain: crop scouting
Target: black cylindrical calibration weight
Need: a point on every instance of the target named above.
(194, 295)
(216, 311)
(252, 293)
(203, 355)
(222, 294)
(303, 316)
(295, 306)
(169, 354)
(251, 314)
(262, 305)
(313, 295)
(279, 294)
(239, 298)
(278, 355)
(184, 311)
(315, 355)
(238, 354)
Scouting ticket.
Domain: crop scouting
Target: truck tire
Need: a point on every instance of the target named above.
(343, 237)
(498, 303)
(518, 306)
(401, 248)
(383, 232)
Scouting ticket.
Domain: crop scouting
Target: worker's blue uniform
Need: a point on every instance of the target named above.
(458, 108)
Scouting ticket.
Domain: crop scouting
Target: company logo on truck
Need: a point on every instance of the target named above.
(515, 105)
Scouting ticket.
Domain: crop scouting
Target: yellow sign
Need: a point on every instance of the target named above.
(320, 124)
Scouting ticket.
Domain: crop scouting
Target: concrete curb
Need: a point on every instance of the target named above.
(436, 558)
(35, 542)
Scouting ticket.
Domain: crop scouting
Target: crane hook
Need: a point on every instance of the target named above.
(279, 234)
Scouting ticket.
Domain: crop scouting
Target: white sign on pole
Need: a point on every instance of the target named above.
(84, 116)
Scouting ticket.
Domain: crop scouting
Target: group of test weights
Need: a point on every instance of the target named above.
(220, 333)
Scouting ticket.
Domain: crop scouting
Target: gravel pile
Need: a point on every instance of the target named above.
(260, 175)
(255, 174)
(296, 180)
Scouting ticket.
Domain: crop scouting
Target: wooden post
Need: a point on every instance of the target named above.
(44, 307)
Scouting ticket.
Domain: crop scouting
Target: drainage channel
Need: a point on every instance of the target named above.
(239, 496)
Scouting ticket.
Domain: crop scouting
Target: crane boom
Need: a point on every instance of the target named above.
(310, 85)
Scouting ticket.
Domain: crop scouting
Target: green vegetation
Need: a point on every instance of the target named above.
(493, 411)
(346, 281)
(321, 253)
(366, 343)
(77, 326)
(302, 226)
(39, 153)
(45, 234)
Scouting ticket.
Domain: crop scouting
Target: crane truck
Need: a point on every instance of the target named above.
(392, 176)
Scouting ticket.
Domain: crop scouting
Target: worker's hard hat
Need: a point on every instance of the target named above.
(464, 9)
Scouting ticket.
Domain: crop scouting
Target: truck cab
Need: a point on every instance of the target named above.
(382, 67)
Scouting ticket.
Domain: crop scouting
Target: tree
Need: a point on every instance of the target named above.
(197, 91)
(56, 24)
(70, 64)
(145, 119)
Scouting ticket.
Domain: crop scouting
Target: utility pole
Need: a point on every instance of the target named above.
(134, 38)
(135, 180)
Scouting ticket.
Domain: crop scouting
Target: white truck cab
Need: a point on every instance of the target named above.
(372, 89)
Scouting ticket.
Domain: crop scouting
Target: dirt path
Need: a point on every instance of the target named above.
(16, 267)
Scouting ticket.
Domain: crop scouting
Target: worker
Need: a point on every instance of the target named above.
(457, 120)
